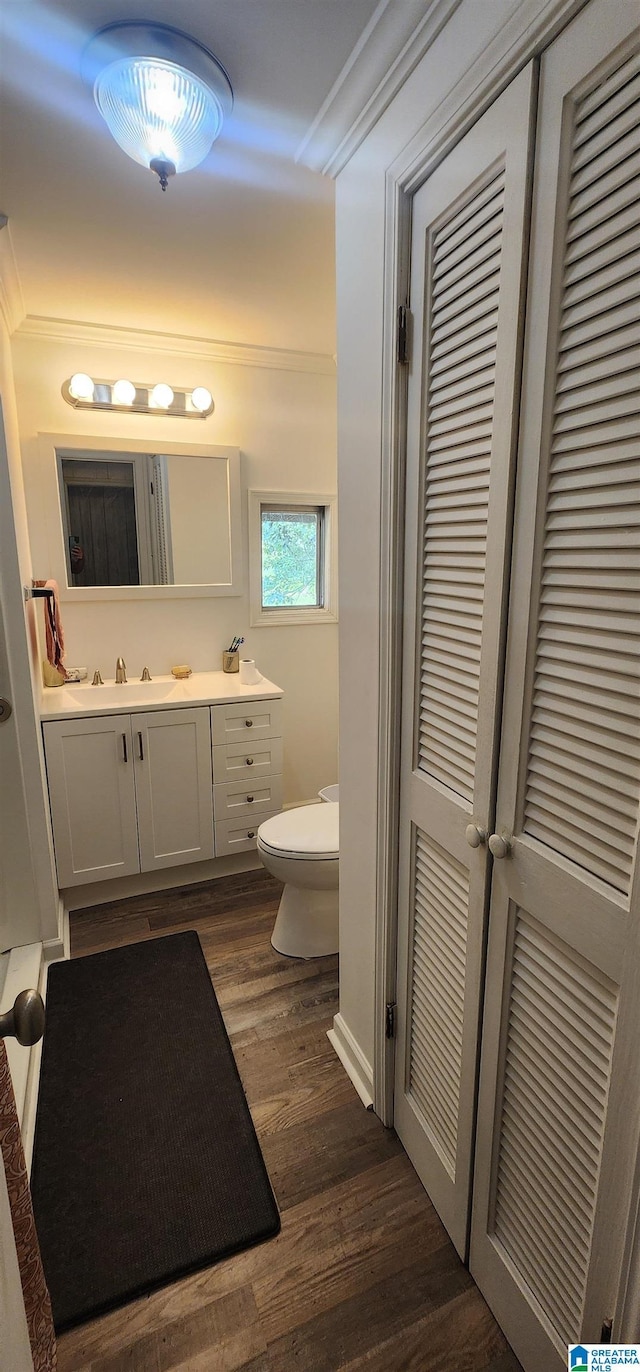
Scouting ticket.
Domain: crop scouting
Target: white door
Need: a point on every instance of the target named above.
(92, 789)
(18, 900)
(174, 786)
(469, 228)
(558, 1126)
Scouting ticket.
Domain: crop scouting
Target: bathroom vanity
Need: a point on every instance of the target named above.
(146, 775)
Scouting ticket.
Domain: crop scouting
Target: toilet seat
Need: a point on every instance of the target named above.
(308, 833)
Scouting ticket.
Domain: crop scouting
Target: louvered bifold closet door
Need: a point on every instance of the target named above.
(560, 1097)
(467, 255)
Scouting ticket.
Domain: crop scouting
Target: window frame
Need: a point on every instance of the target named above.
(327, 613)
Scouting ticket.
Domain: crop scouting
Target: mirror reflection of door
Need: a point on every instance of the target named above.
(100, 508)
(145, 519)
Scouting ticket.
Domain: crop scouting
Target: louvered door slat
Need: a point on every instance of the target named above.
(603, 93)
(460, 413)
(583, 242)
(598, 288)
(597, 502)
(573, 1156)
(441, 892)
(606, 257)
(456, 228)
(608, 123)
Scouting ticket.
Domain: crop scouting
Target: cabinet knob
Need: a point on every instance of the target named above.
(250, 800)
(475, 836)
(500, 847)
(249, 761)
(249, 723)
(251, 833)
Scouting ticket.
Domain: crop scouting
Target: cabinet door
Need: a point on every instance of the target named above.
(467, 270)
(92, 794)
(174, 792)
(558, 1114)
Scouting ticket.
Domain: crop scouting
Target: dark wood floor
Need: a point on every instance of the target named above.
(362, 1274)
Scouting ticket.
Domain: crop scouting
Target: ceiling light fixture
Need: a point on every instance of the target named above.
(163, 96)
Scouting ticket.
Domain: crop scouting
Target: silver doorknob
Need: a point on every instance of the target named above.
(500, 847)
(25, 1022)
(475, 836)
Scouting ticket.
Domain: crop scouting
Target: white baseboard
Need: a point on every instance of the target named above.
(355, 1064)
(55, 949)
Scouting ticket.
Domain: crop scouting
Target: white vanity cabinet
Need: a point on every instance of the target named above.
(129, 793)
(247, 770)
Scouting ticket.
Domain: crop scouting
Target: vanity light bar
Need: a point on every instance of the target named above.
(88, 393)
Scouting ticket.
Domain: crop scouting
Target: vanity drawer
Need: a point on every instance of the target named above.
(257, 797)
(248, 758)
(237, 835)
(246, 720)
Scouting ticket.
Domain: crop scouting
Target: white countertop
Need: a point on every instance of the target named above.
(162, 693)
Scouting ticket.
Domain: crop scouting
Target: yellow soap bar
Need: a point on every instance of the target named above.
(182, 671)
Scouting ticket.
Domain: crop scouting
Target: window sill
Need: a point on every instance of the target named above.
(295, 615)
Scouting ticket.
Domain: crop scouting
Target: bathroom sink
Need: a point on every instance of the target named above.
(126, 693)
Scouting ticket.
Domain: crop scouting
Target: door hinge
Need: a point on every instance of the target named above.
(390, 1019)
(606, 1333)
(403, 334)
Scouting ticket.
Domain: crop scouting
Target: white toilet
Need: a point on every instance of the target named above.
(300, 847)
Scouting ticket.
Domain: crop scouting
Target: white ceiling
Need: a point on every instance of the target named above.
(239, 249)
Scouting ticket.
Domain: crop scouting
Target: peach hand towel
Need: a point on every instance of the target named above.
(53, 626)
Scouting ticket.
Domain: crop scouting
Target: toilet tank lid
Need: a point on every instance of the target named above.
(307, 829)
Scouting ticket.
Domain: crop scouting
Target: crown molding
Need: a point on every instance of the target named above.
(530, 29)
(12, 308)
(391, 45)
(182, 345)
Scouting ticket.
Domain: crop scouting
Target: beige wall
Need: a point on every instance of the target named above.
(360, 230)
(284, 424)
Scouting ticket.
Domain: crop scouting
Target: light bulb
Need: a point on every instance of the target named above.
(161, 396)
(81, 386)
(201, 398)
(123, 393)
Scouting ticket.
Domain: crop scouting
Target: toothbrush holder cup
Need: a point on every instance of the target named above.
(231, 662)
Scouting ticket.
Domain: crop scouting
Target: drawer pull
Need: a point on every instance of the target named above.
(251, 833)
(249, 723)
(249, 800)
(249, 761)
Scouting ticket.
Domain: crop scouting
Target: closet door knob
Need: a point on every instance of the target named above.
(499, 846)
(475, 836)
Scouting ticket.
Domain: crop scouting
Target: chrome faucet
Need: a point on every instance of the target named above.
(121, 672)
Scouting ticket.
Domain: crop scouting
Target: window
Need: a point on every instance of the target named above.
(292, 576)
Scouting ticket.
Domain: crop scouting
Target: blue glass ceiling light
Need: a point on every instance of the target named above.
(162, 95)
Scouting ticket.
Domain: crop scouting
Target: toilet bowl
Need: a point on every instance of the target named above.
(300, 847)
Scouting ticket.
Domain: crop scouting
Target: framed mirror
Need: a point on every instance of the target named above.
(138, 521)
